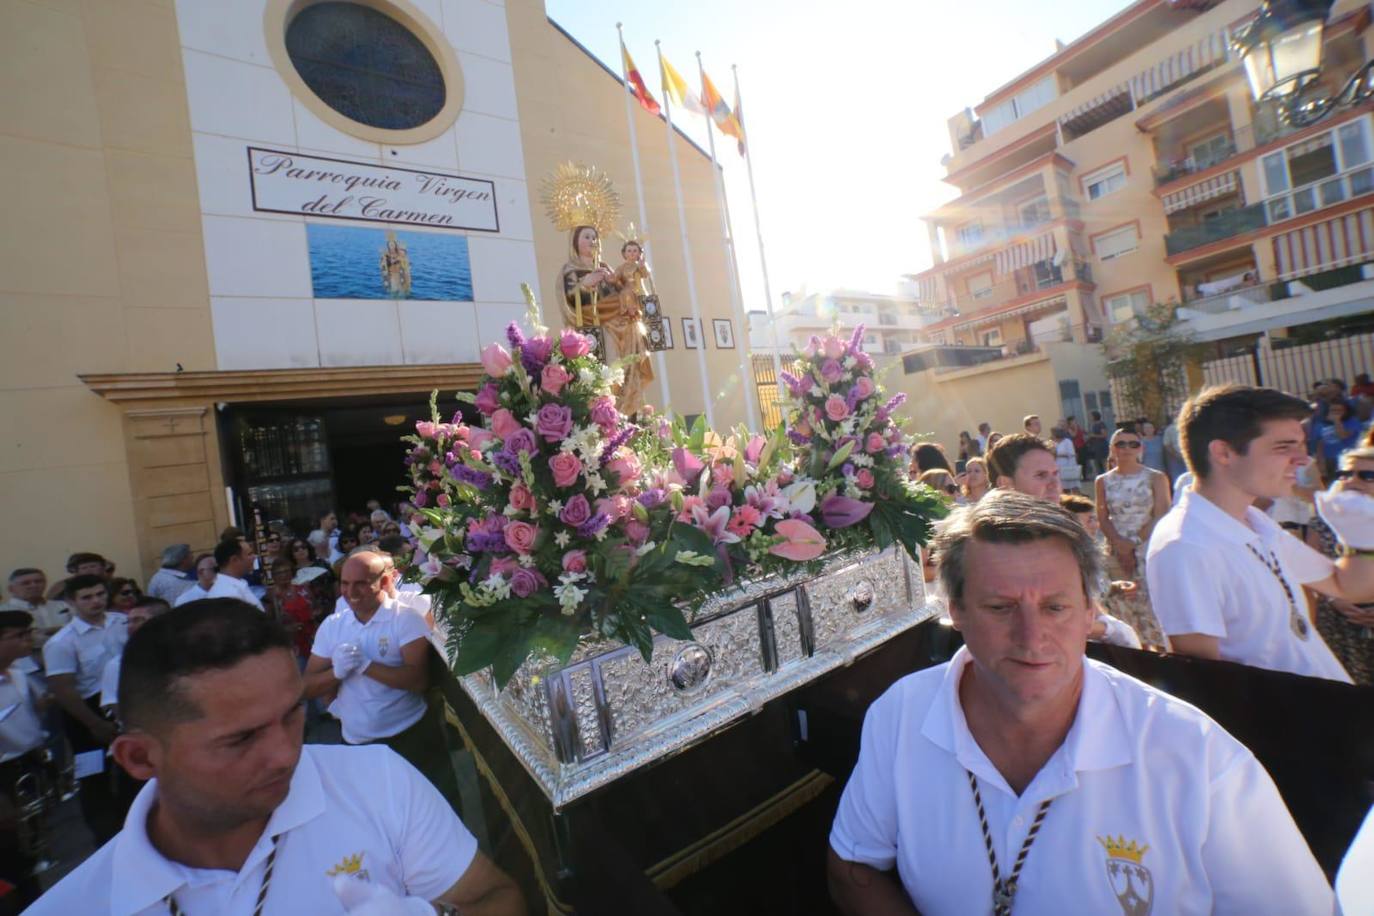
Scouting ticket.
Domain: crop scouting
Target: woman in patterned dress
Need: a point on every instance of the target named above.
(1131, 498)
(1347, 628)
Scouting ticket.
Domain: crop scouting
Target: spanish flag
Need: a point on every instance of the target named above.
(676, 88)
(720, 112)
(635, 83)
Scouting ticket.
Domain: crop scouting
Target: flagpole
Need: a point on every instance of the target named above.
(660, 365)
(732, 268)
(763, 260)
(686, 250)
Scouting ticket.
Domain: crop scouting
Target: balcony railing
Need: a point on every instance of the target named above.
(1059, 208)
(1242, 140)
(1229, 224)
(1180, 168)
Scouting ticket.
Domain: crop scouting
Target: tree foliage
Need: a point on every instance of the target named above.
(1148, 359)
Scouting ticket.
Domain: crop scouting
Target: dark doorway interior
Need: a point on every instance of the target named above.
(293, 460)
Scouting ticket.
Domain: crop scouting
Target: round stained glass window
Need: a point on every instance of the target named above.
(365, 65)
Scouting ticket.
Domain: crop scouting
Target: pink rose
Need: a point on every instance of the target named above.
(521, 498)
(865, 386)
(636, 531)
(504, 566)
(835, 408)
(520, 536)
(425, 429)
(495, 360)
(574, 344)
(553, 422)
(625, 465)
(864, 478)
(488, 399)
(503, 423)
(565, 467)
(479, 437)
(443, 501)
(435, 468)
(604, 414)
(575, 561)
(615, 507)
(833, 347)
(875, 444)
(553, 378)
(577, 511)
(525, 582)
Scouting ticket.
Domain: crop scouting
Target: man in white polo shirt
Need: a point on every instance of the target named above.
(1226, 582)
(235, 561)
(1022, 777)
(74, 661)
(237, 814)
(374, 654)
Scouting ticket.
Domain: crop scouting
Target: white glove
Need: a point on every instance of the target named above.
(348, 660)
(1350, 515)
(361, 897)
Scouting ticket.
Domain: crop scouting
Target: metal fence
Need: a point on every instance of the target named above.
(767, 383)
(1295, 369)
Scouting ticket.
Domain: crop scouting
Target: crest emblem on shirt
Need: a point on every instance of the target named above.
(1130, 880)
(350, 865)
(382, 644)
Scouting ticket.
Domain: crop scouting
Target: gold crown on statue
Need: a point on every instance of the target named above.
(1121, 848)
(580, 195)
(631, 234)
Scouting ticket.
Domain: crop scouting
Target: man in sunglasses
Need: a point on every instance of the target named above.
(1226, 581)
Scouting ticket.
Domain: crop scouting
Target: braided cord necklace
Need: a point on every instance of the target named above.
(1296, 620)
(1004, 891)
(175, 909)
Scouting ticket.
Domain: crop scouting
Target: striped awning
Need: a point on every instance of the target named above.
(1347, 239)
(1118, 97)
(925, 288)
(1176, 67)
(996, 316)
(1215, 186)
(1026, 253)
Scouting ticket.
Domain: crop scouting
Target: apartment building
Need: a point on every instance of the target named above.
(891, 322)
(1131, 167)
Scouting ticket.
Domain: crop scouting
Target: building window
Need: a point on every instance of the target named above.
(1046, 274)
(980, 285)
(1209, 152)
(1034, 212)
(992, 338)
(1318, 172)
(1116, 243)
(971, 236)
(1126, 306)
(1105, 181)
(365, 65)
(1020, 105)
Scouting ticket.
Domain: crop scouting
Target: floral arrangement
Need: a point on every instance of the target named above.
(557, 519)
(851, 443)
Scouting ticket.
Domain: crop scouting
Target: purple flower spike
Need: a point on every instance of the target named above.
(515, 335)
(797, 438)
(591, 526)
(856, 340)
(897, 400)
(616, 442)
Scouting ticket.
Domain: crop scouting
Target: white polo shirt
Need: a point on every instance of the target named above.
(194, 593)
(109, 681)
(227, 586)
(1204, 579)
(368, 709)
(1155, 776)
(83, 650)
(360, 810)
(46, 615)
(20, 729)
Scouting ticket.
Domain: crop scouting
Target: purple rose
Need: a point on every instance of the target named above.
(719, 496)
(577, 511)
(535, 353)
(554, 422)
(522, 440)
(525, 582)
(832, 371)
(488, 399)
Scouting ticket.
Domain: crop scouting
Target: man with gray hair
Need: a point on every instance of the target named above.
(1022, 775)
(175, 575)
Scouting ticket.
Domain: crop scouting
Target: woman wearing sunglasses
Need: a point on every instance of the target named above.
(124, 594)
(1131, 498)
(1347, 628)
(942, 482)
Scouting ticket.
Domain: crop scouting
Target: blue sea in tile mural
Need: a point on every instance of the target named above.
(353, 262)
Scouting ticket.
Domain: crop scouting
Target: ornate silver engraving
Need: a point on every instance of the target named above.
(606, 713)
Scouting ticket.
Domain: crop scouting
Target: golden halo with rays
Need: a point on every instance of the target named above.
(580, 195)
(632, 234)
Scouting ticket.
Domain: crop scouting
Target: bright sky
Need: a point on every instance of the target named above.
(845, 105)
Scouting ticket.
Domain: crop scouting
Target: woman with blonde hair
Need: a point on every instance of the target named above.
(974, 481)
(942, 482)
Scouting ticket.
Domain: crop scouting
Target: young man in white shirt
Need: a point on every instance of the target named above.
(74, 661)
(1025, 463)
(1022, 777)
(373, 655)
(1226, 581)
(235, 561)
(21, 740)
(236, 809)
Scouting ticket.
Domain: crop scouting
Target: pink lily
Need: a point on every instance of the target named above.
(688, 465)
(714, 524)
(803, 542)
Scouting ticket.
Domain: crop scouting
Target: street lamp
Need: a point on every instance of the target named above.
(1282, 53)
